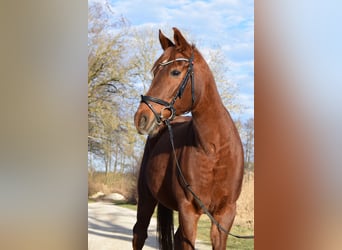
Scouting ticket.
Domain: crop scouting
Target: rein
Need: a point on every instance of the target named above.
(167, 121)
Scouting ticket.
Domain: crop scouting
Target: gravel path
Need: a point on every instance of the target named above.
(110, 228)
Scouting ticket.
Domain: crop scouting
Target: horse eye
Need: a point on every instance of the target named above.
(175, 72)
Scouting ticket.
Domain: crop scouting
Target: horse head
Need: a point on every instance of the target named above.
(171, 92)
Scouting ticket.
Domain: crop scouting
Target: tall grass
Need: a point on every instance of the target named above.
(245, 204)
(121, 183)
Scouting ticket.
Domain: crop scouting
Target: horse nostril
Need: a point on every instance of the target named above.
(143, 121)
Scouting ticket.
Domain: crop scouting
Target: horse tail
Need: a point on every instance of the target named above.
(165, 228)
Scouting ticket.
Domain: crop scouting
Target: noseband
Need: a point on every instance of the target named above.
(170, 105)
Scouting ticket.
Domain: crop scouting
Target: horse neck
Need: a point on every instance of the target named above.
(213, 125)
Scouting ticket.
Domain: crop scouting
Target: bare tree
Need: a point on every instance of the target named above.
(146, 48)
(107, 80)
(228, 89)
(249, 143)
(246, 131)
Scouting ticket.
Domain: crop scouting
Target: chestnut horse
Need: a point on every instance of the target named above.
(200, 158)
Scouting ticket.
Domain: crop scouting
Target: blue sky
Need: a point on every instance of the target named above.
(225, 23)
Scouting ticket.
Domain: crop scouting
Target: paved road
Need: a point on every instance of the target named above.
(110, 228)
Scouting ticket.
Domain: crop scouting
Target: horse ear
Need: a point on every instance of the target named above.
(181, 43)
(164, 41)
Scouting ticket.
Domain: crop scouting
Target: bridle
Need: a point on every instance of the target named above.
(167, 120)
(170, 105)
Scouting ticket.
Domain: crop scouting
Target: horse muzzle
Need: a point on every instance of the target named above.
(145, 121)
(149, 117)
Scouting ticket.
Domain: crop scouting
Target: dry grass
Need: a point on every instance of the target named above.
(245, 204)
(124, 184)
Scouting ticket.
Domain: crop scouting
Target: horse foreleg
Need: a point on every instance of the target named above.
(146, 205)
(185, 236)
(225, 218)
(144, 214)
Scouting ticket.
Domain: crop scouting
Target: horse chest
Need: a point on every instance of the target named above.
(161, 172)
(201, 172)
(160, 177)
(212, 170)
